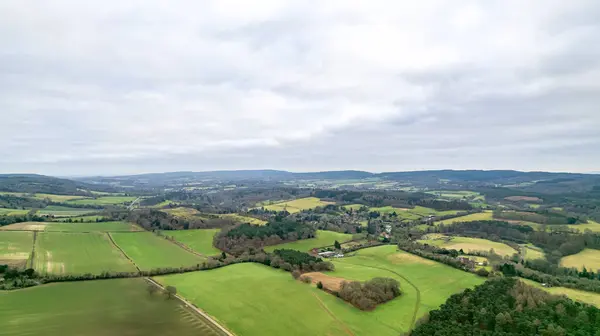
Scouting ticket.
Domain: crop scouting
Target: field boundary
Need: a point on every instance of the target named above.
(32, 257)
(185, 247)
(123, 252)
(330, 313)
(194, 308)
(417, 304)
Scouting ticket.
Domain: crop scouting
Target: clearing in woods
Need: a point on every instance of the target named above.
(149, 251)
(78, 253)
(93, 226)
(590, 225)
(468, 244)
(97, 308)
(106, 200)
(297, 205)
(62, 211)
(588, 258)
(480, 216)
(200, 240)
(84, 219)
(324, 238)
(15, 247)
(532, 252)
(573, 294)
(244, 219)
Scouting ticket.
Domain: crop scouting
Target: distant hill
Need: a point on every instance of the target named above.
(32, 183)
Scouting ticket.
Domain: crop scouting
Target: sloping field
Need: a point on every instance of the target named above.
(15, 247)
(468, 244)
(324, 238)
(423, 211)
(93, 226)
(590, 225)
(574, 294)
(149, 251)
(57, 198)
(25, 226)
(588, 258)
(244, 219)
(182, 212)
(532, 252)
(96, 308)
(297, 205)
(200, 240)
(480, 216)
(85, 219)
(61, 211)
(13, 212)
(353, 206)
(78, 253)
(106, 200)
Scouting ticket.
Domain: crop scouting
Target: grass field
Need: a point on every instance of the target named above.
(200, 240)
(182, 212)
(85, 219)
(78, 253)
(15, 247)
(588, 258)
(532, 252)
(149, 251)
(324, 238)
(247, 294)
(61, 211)
(480, 216)
(13, 212)
(57, 198)
(468, 244)
(105, 200)
(93, 226)
(574, 294)
(25, 226)
(297, 205)
(590, 225)
(423, 211)
(244, 219)
(95, 308)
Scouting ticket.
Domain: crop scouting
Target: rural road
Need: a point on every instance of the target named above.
(414, 318)
(197, 310)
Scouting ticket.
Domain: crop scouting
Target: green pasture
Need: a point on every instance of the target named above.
(353, 206)
(200, 240)
(149, 251)
(104, 200)
(297, 205)
(244, 219)
(15, 247)
(57, 198)
(468, 244)
(84, 219)
(62, 211)
(324, 238)
(13, 212)
(588, 258)
(78, 253)
(532, 252)
(573, 294)
(96, 308)
(590, 225)
(480, 216)
(92, 226)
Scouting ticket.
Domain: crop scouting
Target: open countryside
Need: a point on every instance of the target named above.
(15, 247)
(200, 240)
(588, 258)
(468, 244)
(297, 205)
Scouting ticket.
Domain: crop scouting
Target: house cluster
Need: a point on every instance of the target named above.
(387, 232)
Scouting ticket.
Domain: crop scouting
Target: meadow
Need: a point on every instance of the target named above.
(78, 253)
(590, 225)
(297, 205)
(15, 247)
(200, 240)
(324, 238)
(25, 226)
(480, 216)
(182, 212)
(468, 244)
(532, 252)
(57, 198)
(104, 200)
(574, 294)
(92, 226)
(13, 212)
(149, 251)
(244, 219)
(62, 211)
(96, 308)
(85, 219)
(588, 258)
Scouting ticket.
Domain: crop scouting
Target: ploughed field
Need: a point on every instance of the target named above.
(242, 296)
(96, 308)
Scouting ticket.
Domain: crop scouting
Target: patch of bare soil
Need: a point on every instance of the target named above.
(25, 226)
(330, 283)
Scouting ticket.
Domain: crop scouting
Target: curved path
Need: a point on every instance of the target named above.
(322, 304)
(417, 304)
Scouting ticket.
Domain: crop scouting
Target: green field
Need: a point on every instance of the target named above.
(78, 253)
(92, 226)
(468, 244)
(85, 219)
(149, 251)
(244, 219)
(15, 247)
(57, 198)
(423, 211)
(200, 240)
(590, 225)
(456, 194)
(61, 211)
(95, 308)
(297, 205)
(324, 238)
(182, 212)
(574, 294)
(248, 292)
(13, 212)
(105, 200)
(532, 252)
(588, 258)
(353, 206)
(480, 216)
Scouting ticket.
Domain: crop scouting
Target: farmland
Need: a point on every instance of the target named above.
(149, 251)
(297, 205)
(78, 253)
(590, 225)
(92, 226)
(104, 200)
(588, 258)
(13, 212)
(574, 294)
(96, 308)
(480, 216)
(324, 238)
(84, 219)
(531, 252)
(182, 212)
(62, 211)
(25, 226)
(244, 219)
(468, 244)
(57, 198)
(200, 240)
(15, 247)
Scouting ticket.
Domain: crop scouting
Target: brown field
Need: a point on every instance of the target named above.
(523, 198)
(25, 226)
(329, 282)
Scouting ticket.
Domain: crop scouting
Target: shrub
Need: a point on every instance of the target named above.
(319, 285)
(296, 274)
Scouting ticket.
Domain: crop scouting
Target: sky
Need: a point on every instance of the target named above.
(123, 87)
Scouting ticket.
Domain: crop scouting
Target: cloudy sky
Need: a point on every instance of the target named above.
(119, 87)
